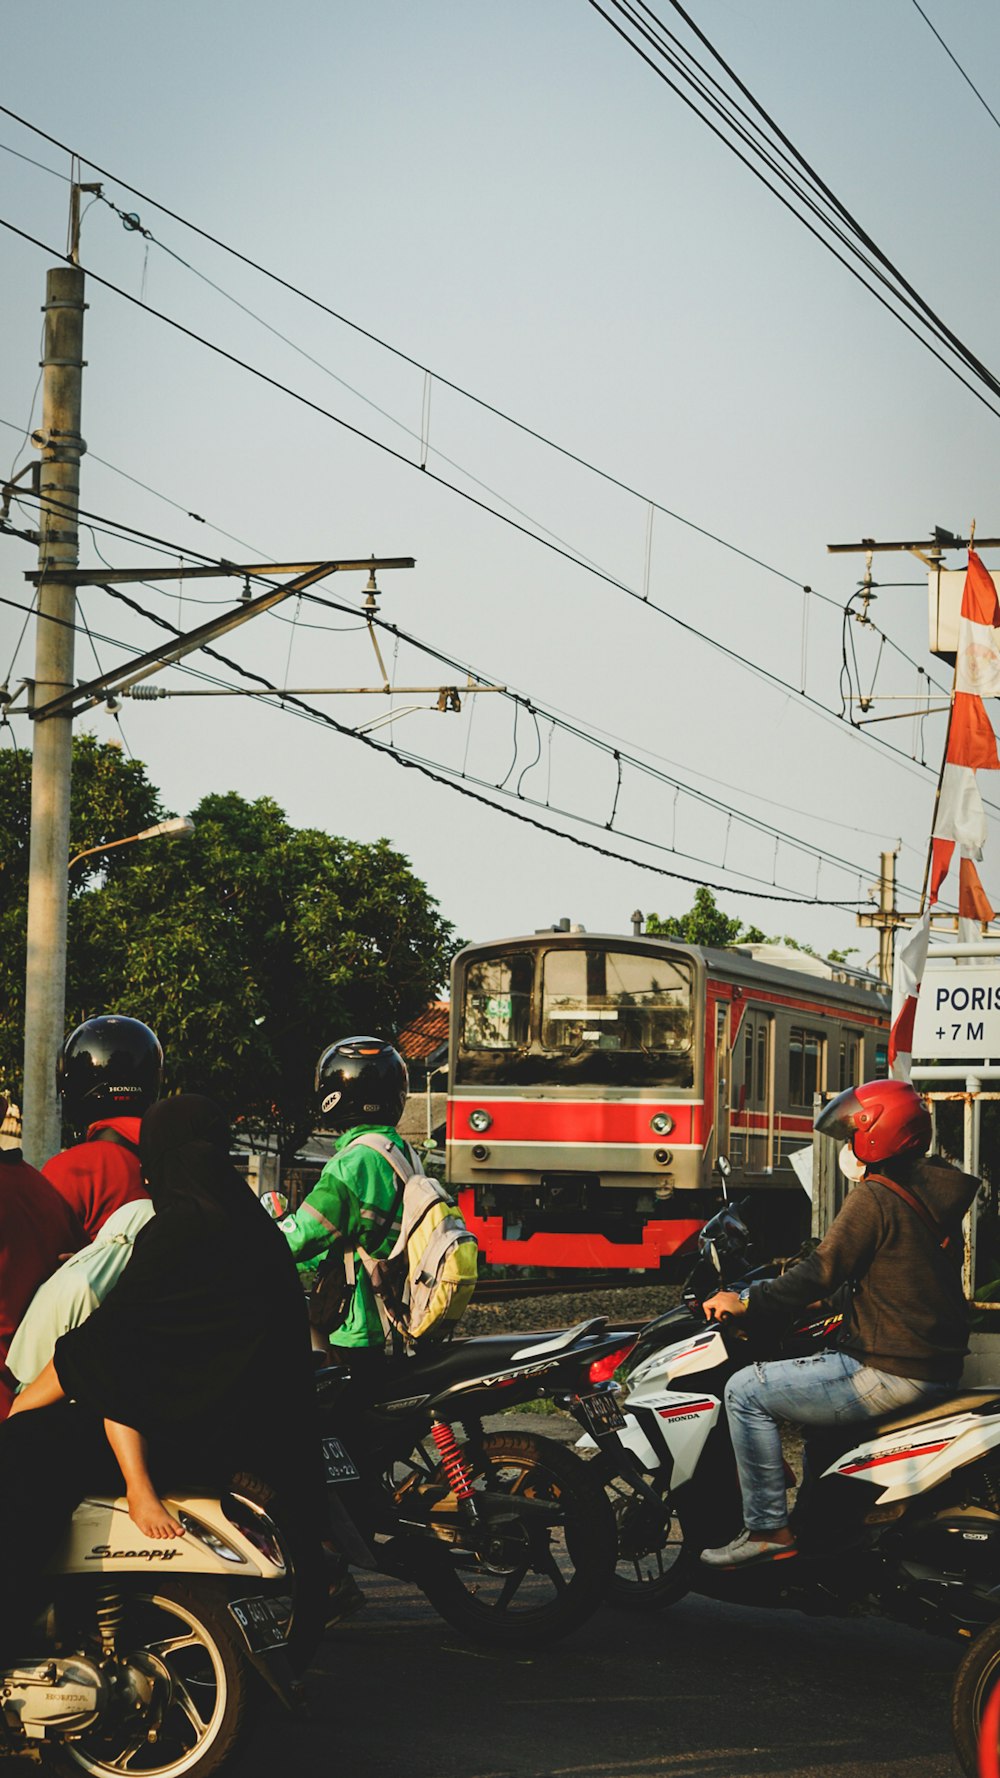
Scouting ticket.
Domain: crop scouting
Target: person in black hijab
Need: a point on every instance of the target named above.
(202, 1348)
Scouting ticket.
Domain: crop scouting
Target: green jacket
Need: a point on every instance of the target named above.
(346, 1209)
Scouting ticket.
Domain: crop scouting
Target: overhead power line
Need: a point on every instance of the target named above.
(766, 156)
(134, 224)
(438, 376)
(740, 660)
(953, 58)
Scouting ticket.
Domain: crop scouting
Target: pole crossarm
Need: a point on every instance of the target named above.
(868, 545)
(243, 571)
(129, 673)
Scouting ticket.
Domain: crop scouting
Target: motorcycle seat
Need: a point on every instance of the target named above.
(484, 1355)
(970, 1401)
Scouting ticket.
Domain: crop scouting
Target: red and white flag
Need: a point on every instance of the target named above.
(961, 818)
(907, 974)
(972, 745)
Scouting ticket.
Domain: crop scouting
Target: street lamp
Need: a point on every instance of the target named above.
(174, 828)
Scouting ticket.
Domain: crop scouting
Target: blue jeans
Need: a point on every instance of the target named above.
(818, 1391)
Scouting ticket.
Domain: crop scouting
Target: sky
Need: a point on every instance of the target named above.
(509, 196)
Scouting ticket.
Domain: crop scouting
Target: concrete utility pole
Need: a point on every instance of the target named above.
(61, 448)
(888, 916)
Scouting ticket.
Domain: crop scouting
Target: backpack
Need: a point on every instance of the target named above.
(423, 1286)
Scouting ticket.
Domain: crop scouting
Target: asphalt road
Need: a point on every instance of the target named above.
(702, 1691)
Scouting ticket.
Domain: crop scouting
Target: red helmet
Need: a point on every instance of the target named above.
(880, 1119)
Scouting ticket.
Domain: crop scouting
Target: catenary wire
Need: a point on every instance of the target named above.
(277, 617)
(294, 706)
(174, 550)
(642, 766)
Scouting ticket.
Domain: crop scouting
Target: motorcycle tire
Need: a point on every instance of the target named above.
(654, 1566)
(208, 1673)
(975, 1683)
(537, 1582)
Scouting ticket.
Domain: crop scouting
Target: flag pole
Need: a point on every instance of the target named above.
(944, 756)
(937, 793)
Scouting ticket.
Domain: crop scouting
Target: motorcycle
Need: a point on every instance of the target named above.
(650, 1571)
(508, 1534)
(143, 1651)
(898, 1517)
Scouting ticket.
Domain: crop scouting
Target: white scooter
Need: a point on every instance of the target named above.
(898, 1517)
(143, 1651)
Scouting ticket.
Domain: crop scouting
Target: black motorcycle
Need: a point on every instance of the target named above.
(509, 1535)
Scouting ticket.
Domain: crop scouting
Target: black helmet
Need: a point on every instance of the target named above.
(360, 1080)
(109, 1067)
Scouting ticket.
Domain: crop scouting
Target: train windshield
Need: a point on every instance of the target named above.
(593, 1017)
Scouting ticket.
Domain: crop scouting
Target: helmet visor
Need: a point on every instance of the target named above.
(840, 1119)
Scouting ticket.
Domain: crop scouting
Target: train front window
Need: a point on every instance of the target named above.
(615, 1018)
(498, 1005)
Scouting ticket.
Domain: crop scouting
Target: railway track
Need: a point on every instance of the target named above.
(506, 1290)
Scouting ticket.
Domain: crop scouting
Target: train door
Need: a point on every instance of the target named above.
(723, 1071)
(758, 1092)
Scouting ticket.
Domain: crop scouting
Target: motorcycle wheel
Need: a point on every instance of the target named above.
(654, 1565)
(534, 1581)
(195, 1686)
(975, 1682)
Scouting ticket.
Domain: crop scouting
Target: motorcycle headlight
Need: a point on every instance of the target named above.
(204, 1534)
(253, 1524)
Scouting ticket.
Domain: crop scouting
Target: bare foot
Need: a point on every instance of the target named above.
(147, 1511)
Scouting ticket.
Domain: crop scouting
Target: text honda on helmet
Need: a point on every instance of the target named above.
(109, 1067)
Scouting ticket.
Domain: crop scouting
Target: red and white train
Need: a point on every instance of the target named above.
(596, 1079)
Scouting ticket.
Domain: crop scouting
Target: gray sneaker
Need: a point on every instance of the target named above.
(750, 1546)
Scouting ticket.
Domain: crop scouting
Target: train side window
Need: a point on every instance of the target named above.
(851, 1062)
(805, 1055)
(746, 1090)
(762, 1082)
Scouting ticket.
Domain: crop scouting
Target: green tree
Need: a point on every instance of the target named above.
(111, 796)
(248, 947)
(704, 924)
(255, 944)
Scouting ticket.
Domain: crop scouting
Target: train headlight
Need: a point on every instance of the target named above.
(661, 1124)
(663, 1155)
(480, 1152)
(479, 1121)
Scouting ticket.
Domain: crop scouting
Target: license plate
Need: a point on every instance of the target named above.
(602, 1413)
(264, 1622)
(340, 1467)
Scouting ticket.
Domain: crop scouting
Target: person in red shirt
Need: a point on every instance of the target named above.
(109, 1073)
(37, 1231)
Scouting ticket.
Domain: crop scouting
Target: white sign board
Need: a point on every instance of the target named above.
(958, 1012)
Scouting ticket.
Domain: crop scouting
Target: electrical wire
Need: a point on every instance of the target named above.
(953, 58)
(433, 772)
(902, 291)
(406, 358)
(763, 673)
(314, 597)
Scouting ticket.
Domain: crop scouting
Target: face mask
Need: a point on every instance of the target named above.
(850, 1166)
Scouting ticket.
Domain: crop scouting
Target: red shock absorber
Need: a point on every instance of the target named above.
(455, 1466)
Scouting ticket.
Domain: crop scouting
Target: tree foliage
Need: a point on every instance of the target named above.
(704, 924)
(248, 947)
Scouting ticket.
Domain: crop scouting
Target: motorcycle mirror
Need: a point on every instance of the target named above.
(724, 1169)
